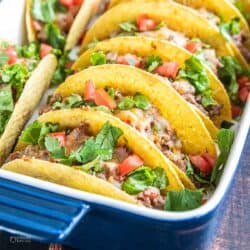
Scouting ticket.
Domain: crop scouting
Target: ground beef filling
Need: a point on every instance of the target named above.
(150, 197)
(150, 123)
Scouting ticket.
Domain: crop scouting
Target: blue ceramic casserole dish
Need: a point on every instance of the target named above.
(52, 213)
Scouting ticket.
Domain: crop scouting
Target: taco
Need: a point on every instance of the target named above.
(95, 152)
(223, 15)
(145, 103)
(244, 8)
(173, 64)
(58, 23)
(24, 76)
(164, 21)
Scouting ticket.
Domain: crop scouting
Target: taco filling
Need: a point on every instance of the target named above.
(182, 80)
(16, 66)
(137, 111)
(221, 66)
(52, 20)
(230, 30)
(99, 155)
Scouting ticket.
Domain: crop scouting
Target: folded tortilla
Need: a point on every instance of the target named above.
(33, 91)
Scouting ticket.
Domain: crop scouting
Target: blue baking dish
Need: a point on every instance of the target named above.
(49, 212)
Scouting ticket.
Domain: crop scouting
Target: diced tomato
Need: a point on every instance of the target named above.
(243, 94)
(129, 60)
(102, 98)
(144, 23)
(67, 3)
(168, 69)
(192, 47)
(12, 55)
(36, 25)
(68, 65)
(203, 201)
(60, 136)
(89, 92)
(209, 158)
(200, 162)
(78, 2)
(130, 164)
(45, 49)
(236, 111)
(243, 80)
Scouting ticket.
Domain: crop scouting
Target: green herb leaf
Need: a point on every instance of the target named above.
(73, 101)
(139, 180)
(126, 103)
(36, 132)
(98, 58)
(128, 26)
(161, 180)
(225, 140)
(54, 36)
(102, 146)
(43, 10)
(62, 72)
(228, 75)
(141, 102)
(152, 62)
(53, 146)
(30, 51)
(230, 28)
(196, 74)
(183, 200)
(6, 106)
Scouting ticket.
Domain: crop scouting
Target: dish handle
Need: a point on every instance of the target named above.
(38, 214)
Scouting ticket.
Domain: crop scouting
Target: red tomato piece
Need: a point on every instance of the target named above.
(192, 47)
(103, 99)
(236, 111)
(243, 80)
(130, 164)
(201, 163)
(129, 59)
(168, 69)
(144, 23)
(243, 94)
(36, 25)
(89, 92)
(12, 55)
(67, 3)
(78, 2)
(209, 158)
(60, 136)
(45, 49)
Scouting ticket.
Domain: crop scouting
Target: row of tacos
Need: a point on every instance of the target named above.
(144, 116)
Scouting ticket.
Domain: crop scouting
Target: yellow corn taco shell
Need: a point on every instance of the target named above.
(29, 99)
(188, 125)
(134, 140)
(177, 17)
(143, 47)
(66, 176)
(77, 28)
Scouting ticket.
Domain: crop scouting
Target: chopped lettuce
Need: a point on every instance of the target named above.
(36, 132)
(144, 177)
(6, 106)
(225, 140)
(183, 200)
(44, 10)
